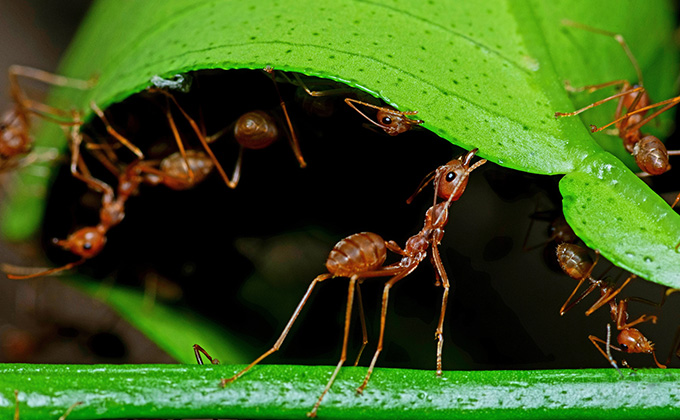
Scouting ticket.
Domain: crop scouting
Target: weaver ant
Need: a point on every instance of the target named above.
(577, 263)
(362, 255)
(649, 152)
(253, 130)
(177, 171)
(15, 125)
(390, 120)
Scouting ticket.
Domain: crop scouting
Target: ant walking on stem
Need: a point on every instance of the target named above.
(362, 255)
(649, 152)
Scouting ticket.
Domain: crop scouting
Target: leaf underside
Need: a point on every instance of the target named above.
(487, 75)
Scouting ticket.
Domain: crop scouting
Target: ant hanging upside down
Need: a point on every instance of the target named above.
(577, 263)
(362, 255)
(649, 152)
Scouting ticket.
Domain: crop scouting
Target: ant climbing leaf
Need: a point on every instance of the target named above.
(480, 74)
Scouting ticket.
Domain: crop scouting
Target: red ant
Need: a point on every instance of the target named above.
(176, 171)
(650, 153)
(390, 120)
(15, 125)
(253, 130)
(577, 263)
(362, 255)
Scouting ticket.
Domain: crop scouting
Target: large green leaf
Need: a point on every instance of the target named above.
(288, 392)
(481, 74)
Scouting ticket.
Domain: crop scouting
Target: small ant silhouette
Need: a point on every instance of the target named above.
(650, 153)
(577, 263)
(15, 125)
(362, 255)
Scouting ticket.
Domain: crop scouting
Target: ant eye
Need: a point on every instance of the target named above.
(386, 120)
(450, 176)
(87, 246)
(624, 347)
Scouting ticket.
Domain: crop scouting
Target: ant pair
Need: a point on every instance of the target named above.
(577, 263)
(180, 170)
(362, 255)
(649, 152)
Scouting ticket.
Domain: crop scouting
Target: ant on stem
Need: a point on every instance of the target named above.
(362, 255)
(649, 152)
(577, 263)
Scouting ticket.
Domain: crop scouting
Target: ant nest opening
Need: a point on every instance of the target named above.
(243, 257)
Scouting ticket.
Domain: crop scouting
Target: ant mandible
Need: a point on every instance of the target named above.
(15, 125)
(649, 152)
(362, 255)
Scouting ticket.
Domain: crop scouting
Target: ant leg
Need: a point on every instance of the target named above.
(598, 103)
(439, 333)
(180, 145)
(667, 104)
(112, 131)
(362, 319)
(393, 123)
(317, 93)
(609, 295)
(285, 332)
(292, 137)
(383, 314)
(6, 268)
(76, 140)
(345, 338)
(607, 355)
(565, 307)
(200, 136)
(197, 352)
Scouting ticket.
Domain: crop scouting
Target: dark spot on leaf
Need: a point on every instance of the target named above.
(525, 128)
(289, 51)
(455, 82)
(331, 57)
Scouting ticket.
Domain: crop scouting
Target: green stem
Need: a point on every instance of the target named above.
(269, 391)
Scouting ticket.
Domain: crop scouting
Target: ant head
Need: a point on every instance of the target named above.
(85, 242)
(451, 179)
(255, 130)
(395, 122)
(632, 340)
(651, 155)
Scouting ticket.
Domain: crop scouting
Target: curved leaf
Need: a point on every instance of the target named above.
(180, 391)
(487, 75)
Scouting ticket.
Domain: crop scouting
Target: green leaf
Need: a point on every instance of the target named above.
(286, 392)
(481, 74)
(173, 329)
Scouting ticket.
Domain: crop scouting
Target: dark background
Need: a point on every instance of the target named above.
(275, 230)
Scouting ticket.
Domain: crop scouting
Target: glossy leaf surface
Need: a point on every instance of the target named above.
(487, 75)
(289, 392)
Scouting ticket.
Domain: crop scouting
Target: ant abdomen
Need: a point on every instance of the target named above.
(175, 167)
(256, 130)
(357, 253)
(85, 242)
(574, 260)
(651, 155)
